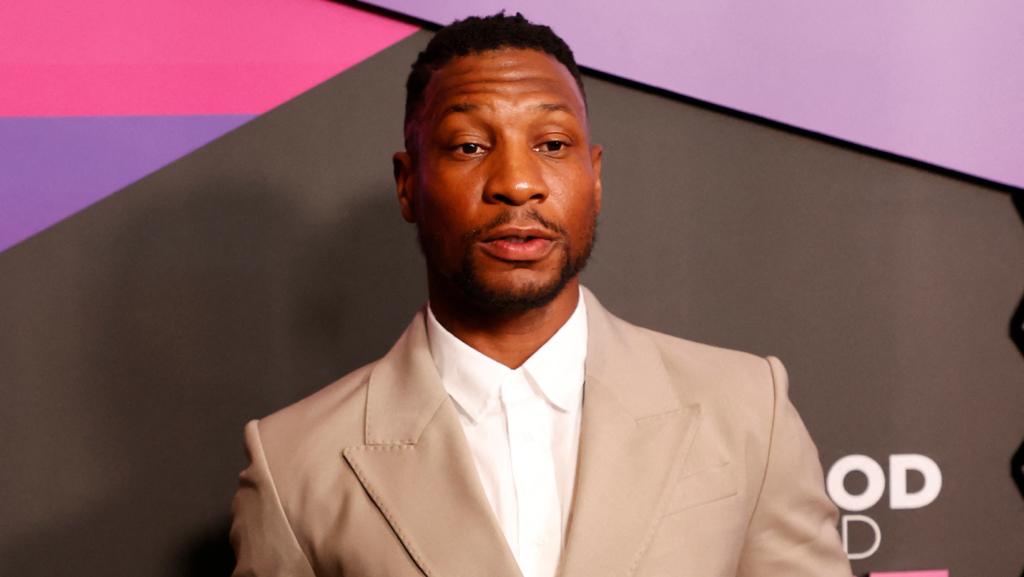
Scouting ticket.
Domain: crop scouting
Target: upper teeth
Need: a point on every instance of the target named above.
(515, 239)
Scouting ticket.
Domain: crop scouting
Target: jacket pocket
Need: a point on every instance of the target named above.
(702, 488)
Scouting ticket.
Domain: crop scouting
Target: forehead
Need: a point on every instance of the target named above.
(508, 73)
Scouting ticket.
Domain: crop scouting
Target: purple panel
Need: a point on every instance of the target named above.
(51, 168)
(935, 80)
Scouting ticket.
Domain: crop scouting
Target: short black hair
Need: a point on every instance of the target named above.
(476, 35)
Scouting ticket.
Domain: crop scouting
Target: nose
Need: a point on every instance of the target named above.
(516, 176)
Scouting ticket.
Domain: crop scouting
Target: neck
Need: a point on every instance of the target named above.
(507, 337)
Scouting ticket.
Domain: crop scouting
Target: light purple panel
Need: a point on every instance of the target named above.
(51, 168)
(940, 81)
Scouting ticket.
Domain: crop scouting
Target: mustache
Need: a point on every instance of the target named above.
(524, 216)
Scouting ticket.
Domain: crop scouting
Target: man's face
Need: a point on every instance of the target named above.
(503, 183)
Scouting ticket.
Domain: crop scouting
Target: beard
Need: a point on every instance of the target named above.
(466, 276)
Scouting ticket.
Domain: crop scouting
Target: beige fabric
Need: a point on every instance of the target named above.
(692, 462)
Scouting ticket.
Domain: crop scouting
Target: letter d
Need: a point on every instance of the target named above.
(898, 467)
(846, 542)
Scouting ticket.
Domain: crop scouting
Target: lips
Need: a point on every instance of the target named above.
(518, 244)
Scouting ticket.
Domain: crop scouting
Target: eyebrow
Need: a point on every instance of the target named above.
(554, 108)
(460, 107)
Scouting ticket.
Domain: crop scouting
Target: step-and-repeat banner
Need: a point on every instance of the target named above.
(198, 227)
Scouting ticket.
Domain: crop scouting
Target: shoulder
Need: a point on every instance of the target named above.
(738, 392)
(323, 423)
(708, 364)
(735, 388)
(717, 376)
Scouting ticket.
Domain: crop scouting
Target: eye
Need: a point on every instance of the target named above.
(552, 146)
(469, 148)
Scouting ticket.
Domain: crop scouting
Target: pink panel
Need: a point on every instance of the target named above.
(937, 573)
(124, 57)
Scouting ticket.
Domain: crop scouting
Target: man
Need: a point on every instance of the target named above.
(517, 427)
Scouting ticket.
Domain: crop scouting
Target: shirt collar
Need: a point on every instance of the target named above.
(473, 379)
(559, 366)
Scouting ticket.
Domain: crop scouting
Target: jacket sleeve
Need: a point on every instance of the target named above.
(261, 535)
(793, 529)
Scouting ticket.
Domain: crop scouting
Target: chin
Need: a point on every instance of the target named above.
(511, 291)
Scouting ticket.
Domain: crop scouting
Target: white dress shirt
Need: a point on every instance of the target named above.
(523, 428)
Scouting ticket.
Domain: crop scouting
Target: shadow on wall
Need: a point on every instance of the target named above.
(1017, 321)
(209, 554)
(1017, 471)
(1017, 334)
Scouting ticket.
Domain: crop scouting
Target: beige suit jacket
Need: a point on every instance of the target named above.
(692, 462)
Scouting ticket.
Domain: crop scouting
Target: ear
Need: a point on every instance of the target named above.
(595, 160)
(404, 181)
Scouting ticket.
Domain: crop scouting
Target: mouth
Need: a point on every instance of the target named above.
(518, 244)
(516, 239)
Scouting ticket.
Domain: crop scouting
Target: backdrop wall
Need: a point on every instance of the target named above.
(141, 333)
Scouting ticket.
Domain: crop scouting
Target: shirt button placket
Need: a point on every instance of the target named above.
(533, 475)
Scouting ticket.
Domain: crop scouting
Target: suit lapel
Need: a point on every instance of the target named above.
(417, 468)
(634, 436)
